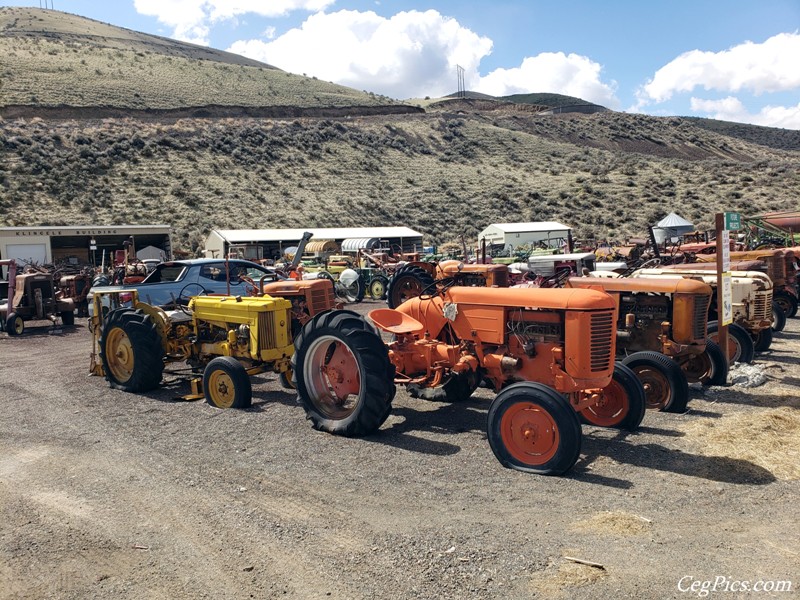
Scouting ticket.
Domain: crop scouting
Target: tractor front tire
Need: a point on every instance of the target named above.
(762, 340)
(131, 351)
(778, 317)
(68, 318)
(740, 345)
(14, 324)
(407, 282)
(377, 287)
(343, 375)
(787, 302)
(708, 368)
(226, 383)
(532, 428)
(665, 385)
(622, 404)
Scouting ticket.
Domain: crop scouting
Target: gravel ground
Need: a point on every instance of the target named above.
(105, 494)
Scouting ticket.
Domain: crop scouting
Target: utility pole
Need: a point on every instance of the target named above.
(462, 92)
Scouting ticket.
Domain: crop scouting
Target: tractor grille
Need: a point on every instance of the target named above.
(776, 268)
(762, 306)
(266, 331)
(321, 299)
(602, 340)
(700, 317)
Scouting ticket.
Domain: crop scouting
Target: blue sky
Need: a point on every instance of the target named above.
(728, 59)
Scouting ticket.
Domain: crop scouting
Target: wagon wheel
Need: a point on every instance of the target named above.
(532, 428)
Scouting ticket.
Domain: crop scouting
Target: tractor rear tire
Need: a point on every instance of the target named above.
(778, 317)
(407, 282)
(14, 324)
(131, 351)
(787, 302)
(226, 383)
(623, 403)
(377, 287)
(68, 318)
(343, 375)
(665, 385)
(532, 428)
(762, 340)
(741, 348)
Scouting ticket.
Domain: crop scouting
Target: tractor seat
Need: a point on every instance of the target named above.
(393, 321)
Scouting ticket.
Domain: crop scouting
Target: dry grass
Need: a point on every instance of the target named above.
(769, 438)
(569, 575)
(615, 523)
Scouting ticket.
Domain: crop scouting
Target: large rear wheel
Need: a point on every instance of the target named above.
(343, 374)
(665, 385)
(407, 282)
(131, 351)
(532, 428)
(622, 403)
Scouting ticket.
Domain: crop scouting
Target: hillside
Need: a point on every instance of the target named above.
(53, 59)
(453, 169)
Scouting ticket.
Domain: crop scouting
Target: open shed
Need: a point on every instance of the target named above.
(272, 243)
(510, 235)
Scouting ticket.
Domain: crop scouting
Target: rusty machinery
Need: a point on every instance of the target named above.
(548, 353)
(32, 296)
(661, 335)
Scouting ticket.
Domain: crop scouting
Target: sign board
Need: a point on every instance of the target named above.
(733, 221)
(727, 299)
(726, 250)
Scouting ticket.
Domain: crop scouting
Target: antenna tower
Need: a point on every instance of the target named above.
(462, 91)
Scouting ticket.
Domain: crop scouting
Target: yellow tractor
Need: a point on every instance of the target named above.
(223, 339)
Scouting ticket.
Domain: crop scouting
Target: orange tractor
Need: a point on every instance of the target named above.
(411, 279)
(548, 353)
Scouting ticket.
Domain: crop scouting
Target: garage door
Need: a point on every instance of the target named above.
(27, 253)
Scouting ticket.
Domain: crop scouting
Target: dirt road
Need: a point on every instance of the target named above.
(105, 494)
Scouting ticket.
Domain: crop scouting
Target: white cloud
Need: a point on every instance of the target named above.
(758, 68)
(732, 109)
(191, 19)
(410, 54)
(553, 72)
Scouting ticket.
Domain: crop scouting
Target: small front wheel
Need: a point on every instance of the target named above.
(377, 287)
(665, 385)
(226, 383)
(622, 403)
(14, 324)
(532, 428)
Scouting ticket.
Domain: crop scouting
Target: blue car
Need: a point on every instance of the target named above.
(176, 281)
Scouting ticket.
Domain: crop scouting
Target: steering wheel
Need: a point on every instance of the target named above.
(557, 279)
(183, 297)
(438, 286)
(253, 290)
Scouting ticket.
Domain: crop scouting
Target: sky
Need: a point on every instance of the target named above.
(735, 60)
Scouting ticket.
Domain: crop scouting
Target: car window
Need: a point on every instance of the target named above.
(165, 274)
(213, 272)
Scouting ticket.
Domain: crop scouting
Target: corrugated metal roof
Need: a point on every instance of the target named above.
(535, 226)
(278, 235)
(356, 244)
(673, 220)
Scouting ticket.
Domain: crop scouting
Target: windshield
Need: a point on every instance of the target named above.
(165, 273)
